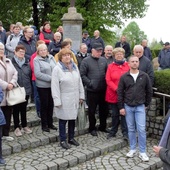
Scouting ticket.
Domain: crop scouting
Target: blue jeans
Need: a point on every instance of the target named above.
(136, 118)
(118, 119)
(62, 129)
(36, 98)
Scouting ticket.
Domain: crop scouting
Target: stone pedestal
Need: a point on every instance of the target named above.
(72, 25)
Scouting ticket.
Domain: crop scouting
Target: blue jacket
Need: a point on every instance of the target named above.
(2, 118)
(164, 59)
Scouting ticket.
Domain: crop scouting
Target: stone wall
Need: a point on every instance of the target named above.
(154, 121)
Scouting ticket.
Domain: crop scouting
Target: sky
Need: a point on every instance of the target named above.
(156, 23)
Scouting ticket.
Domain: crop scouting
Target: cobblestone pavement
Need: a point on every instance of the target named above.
(117, 161)
(42, 151)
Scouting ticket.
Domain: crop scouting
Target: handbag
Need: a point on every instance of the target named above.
(16, 95)
(82, 117)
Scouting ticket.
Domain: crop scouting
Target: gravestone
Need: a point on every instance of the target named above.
(72, 25)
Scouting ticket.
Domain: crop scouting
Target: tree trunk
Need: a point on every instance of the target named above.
(35, 13)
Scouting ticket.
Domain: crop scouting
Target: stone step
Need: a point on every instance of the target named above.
(37, 138)
(117, 160)
(53, 157)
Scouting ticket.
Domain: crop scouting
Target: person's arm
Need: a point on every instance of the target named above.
(149, 92)
(38, 74)
(8, 44)
(120, 92)
(83, 73)
(55, 87)
(1, 95)
(109, 81)
(41, 37)
(127, 53)
(150, 72)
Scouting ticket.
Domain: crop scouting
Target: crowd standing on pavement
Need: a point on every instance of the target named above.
(47, 66)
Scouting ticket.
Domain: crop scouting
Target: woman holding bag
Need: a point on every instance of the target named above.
(67, 92)
(24, 80)
(8, 79)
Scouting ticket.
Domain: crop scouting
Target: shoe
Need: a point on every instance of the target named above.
(125, 137)
(131, 153)
(144, 157)
(27, 130)
(73, 142)
(53, 127)
(46, 129)
(17, 132)
(93, 133)
(104, 130)
(8, 138)
(110, 135)
(64, 145)
(2, 162)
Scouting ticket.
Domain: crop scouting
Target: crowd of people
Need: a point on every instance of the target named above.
(59, 77)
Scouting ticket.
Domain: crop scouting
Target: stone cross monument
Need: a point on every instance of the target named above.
(72, 25)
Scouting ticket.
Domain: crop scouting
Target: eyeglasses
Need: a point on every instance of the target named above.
(22, 52)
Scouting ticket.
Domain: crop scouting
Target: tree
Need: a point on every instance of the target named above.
(98, 14)
(134, 34)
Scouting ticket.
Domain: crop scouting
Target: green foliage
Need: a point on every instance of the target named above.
(98, 14)
(155, 53)
(134, 34)
(162, 81)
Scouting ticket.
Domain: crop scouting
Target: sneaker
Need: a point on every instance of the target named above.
(8, 138)
(131, 153)
(27, 130)
(2, 162)
(17, 132)
(144, 157)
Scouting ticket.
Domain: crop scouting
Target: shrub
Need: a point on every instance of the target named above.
(162, 81)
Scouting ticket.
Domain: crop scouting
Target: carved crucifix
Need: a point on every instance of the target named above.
(72, 3)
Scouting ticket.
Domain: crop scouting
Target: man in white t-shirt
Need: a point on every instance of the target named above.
(134, 95)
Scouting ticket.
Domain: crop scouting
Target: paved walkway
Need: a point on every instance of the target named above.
(42, 151)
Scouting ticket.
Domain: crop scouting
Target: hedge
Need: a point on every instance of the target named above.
(162, 81)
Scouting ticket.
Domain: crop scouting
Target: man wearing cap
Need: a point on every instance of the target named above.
(2, 34)
(164, 57)
(86, 39)
(93, 69)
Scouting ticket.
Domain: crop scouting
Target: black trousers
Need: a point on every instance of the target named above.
(7, 110)
(20, 110)
(95, 99)
(46, 107)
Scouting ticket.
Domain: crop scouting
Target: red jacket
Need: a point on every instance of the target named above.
(32, 65)
(113, 74)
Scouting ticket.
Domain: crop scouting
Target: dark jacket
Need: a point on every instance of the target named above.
(29, 45)
(147, 53)
(97, 40)
(125, 46)
(146, 66)
(164, 59)
(93, 72)
(164, 154)
(24, 75)
(80, 57)
(134, 93)
(87, 41)
(54, 48)
(3, 37)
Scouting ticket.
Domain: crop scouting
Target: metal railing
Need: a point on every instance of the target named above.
(164, 99)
